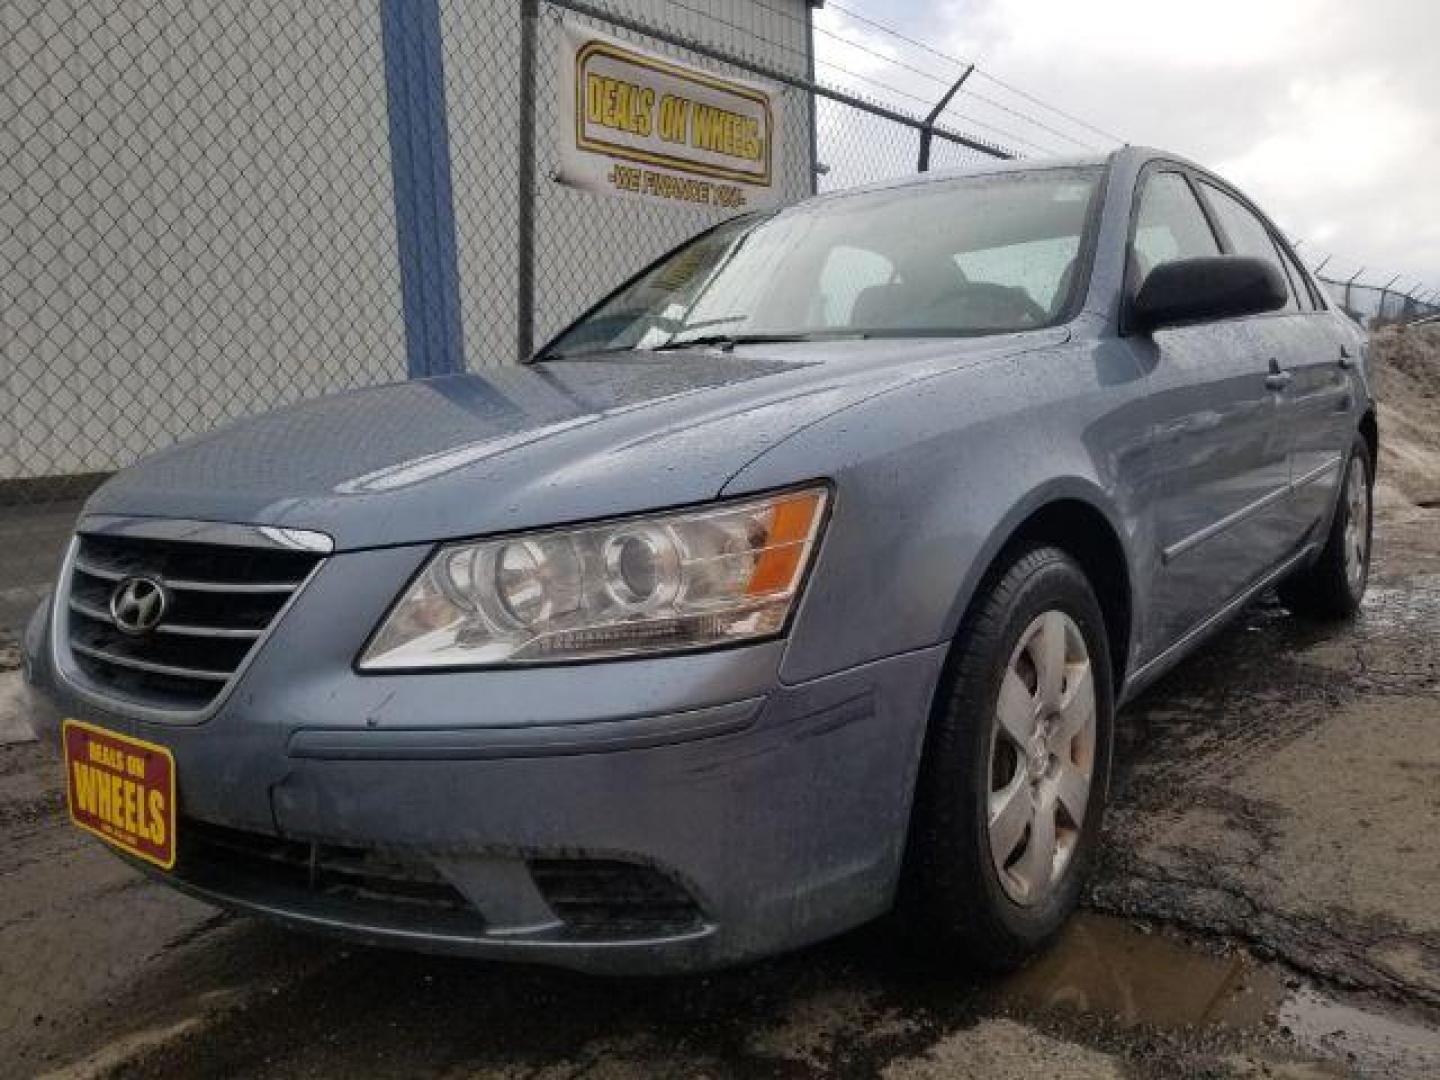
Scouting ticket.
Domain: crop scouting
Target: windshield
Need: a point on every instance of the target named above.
(973, 255)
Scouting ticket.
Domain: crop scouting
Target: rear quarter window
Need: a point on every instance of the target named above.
(1248, 235)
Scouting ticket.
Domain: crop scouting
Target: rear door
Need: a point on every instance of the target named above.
(1324, 398)
(1217, 467)
(1315, 399)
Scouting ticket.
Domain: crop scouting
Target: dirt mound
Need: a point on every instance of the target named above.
(1406, 368)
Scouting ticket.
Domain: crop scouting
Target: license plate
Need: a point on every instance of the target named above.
(122, 790)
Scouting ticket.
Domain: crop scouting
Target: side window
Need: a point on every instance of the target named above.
(1247, 234)
(1169, 226)
(848, 272)
(1304, 291)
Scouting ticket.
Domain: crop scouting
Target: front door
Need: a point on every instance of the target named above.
(1217, 470)
(1219, 473)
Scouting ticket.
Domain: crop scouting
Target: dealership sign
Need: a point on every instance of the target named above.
(641, 125)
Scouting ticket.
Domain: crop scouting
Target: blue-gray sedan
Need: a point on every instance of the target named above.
(796, 582)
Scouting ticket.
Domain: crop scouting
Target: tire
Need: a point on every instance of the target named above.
(956, 893)
(1334, 585)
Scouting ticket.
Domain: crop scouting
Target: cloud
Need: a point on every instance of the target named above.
(1325, 111)
(1218, 34)
(871, 52)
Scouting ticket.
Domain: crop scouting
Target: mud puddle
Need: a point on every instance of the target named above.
(1129, 976)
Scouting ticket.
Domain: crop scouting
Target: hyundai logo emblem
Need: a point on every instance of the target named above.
(138, 604)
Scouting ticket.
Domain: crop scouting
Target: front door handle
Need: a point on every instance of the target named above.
(1278, 379)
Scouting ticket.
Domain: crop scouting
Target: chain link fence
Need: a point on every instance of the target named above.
(618, 236)
(196, 224)
(212, 210)
(1379, 305)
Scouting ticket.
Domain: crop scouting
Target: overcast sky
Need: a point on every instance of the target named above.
(1327, 112)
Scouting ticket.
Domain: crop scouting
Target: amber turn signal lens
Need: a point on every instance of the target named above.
(794, 521)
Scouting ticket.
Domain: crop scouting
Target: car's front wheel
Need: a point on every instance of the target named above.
(1016, 765)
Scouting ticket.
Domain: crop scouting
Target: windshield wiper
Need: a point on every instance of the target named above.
(726, 342)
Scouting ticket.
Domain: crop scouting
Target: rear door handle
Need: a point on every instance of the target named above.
(1278, 379)
(1347, 356)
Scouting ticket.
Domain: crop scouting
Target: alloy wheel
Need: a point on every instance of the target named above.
(1357, 520)
(1042, 758)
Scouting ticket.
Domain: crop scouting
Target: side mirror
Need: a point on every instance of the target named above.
(1208, 288)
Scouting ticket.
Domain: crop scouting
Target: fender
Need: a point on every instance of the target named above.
(1059, 489)
(934, 477)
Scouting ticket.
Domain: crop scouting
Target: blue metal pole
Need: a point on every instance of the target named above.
(424, 201)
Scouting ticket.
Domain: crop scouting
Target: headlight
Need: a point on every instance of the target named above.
(685, 580)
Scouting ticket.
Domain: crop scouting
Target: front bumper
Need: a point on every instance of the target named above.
(642, 816)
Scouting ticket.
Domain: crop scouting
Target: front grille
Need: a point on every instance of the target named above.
(604, 899)
(362, 882)
(220, 600)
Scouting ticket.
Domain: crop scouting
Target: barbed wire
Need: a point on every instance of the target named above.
(961, 111)
(894, 65)
(980, 72)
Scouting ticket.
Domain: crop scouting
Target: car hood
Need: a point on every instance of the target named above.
(524, 446)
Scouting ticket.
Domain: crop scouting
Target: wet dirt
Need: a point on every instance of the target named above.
(1407, 381)
(1263, 908)
(1136, 976)
(1294, 805)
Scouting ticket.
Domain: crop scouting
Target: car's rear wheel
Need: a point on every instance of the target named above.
(1334, 586)
(1016, 764)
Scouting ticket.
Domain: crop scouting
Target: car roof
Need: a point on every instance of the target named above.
(1133, 156)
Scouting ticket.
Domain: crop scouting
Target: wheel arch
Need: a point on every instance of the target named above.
(1074, 516)
(1370, 432)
